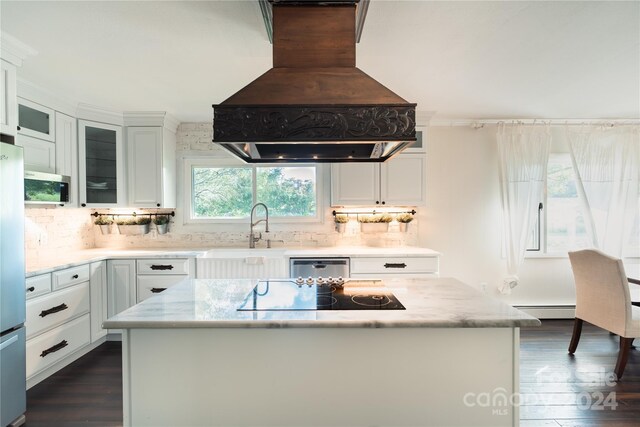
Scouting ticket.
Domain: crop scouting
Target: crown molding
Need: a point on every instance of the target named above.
(151, 118)
(423, 118)
(99, 114)
(39, 95)
(479, 123)
(13, 50)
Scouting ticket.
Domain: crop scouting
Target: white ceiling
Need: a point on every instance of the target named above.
(463, 60)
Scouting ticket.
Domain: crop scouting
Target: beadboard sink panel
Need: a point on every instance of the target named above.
(253, 267)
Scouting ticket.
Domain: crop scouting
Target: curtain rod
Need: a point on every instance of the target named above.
(553, 122)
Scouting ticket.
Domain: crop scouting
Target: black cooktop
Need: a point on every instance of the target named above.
(287, 295)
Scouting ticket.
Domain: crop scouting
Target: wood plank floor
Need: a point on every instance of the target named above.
(557, 389)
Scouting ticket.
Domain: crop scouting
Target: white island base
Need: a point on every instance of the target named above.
(340, 376)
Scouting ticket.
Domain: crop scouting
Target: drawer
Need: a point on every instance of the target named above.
(391, 265)
(56, 308)
(163, 266)
(70, 276)
(50, 347)
(38, 285)
(152, 285)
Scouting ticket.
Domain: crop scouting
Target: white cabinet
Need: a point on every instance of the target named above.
(395, 267)
(39, 155)
(403, 180)
(151, 166)
(156, 275)
(399, 181)
(101, 165)
(57, 320)
(8, 99)
(121, 285)
(36, 120)
(98, 284)
(67, 153)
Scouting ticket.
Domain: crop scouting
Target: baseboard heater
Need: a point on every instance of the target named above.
(549, 311)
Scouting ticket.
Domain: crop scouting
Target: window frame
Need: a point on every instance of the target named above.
(190, 162)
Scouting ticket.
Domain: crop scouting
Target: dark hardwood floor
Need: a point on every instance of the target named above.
(88, 392)
(557, 389)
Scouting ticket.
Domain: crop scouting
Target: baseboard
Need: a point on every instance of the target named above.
(42, 375)
(114, 335)
(549, 311)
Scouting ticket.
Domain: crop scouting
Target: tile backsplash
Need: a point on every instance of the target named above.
(52, 232)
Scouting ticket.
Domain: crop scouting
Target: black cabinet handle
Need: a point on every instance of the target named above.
(62, 344)
(395, 265)
(158, 204)
(31, 289)
(75, 276)
(377, 202)
(384, 203)
(55, 309)
(162, 267)
(83, 205)
(157, 290)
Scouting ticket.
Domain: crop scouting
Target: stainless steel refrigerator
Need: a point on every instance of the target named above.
(12, 289)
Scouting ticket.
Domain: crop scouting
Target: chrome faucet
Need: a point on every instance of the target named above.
(252, 235)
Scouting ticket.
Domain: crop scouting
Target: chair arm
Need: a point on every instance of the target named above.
(634, 281)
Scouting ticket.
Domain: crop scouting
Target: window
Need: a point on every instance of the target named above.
(221, 192)
(563, 224)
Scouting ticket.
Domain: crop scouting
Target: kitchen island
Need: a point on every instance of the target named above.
(191, 358)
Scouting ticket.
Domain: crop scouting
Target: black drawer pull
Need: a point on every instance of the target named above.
(157, 290)
(75, 276)
(31, 289)
(62, 344)
(55, 309)
(395, 265)
(162, 267)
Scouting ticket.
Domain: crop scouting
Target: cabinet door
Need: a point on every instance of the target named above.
(121, 285)
(98, 285)
(144, 148)
(355, 184)
(67, 153)
(403, 180)
(8, 99)
(101, 165)
(39, 155)
(36, 120)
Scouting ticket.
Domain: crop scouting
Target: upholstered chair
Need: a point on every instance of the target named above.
(602, 299)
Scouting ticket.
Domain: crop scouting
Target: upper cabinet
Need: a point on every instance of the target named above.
(151, 157)
(8, 99)
(39, 155)
(101, 165)
(36, 120)
(67, 153)
(399, 181)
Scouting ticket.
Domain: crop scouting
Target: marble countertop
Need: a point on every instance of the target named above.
(430, 303)
(35, 267)
(73, 259)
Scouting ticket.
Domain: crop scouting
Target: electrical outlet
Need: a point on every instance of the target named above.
(42, 239)
(483, 287)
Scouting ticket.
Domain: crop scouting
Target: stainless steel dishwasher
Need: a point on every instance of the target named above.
(319, 267)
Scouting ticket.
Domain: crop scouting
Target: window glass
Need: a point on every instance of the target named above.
(221, 192)
(287, 191)
(565, 228)
(230, 192)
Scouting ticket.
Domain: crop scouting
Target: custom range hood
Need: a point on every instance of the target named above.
(314, 105)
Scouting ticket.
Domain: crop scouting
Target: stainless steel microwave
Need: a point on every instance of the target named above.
(46, 188)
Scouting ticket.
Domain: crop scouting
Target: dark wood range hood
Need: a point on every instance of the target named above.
(314, 105)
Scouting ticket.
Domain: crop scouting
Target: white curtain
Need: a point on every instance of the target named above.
(523, 154)
(607, 164)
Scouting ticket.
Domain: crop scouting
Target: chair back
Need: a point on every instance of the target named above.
(602, 291)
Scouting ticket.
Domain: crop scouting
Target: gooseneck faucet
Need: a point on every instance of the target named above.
(252, 235)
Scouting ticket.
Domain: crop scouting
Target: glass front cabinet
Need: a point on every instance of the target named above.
(101, 164)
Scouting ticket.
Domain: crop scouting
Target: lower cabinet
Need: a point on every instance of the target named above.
(156, 275)
(398, 267)
(98, 284)
(58, 321)
(121, 285)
